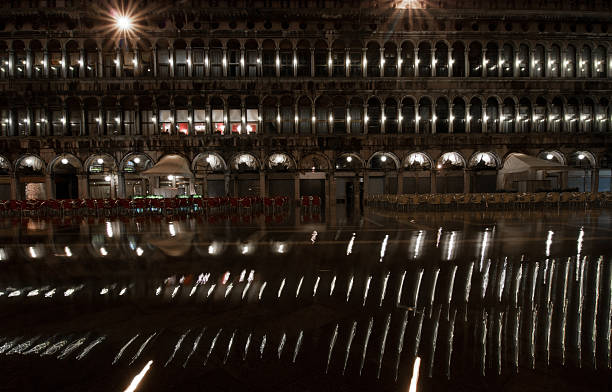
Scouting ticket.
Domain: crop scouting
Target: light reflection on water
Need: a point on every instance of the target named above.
(485, 297)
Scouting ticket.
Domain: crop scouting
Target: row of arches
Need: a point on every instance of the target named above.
(286, 114)
(303, 58)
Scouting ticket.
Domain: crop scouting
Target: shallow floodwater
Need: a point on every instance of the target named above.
(506, 300)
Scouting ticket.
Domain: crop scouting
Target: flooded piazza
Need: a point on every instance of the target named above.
(375, 301)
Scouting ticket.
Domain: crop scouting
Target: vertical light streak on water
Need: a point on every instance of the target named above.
(229, 347)
(549, 242)
(439, 236)
(468, 283)
(281, 345)
(261, 290)
(348, 346)
(210, 290)
(242, 276)
(365, 344)
(332, 286)
(483, 341)
(142, 347)
(451, 246)
(483, 248)
(515, 338)
(316, 286)
(502, 281)
(298, 344)
(551, 273)
(534, 281)
(433, 288)
(125, 346)
(609, 320)
(517, 284)
(366, 289)
(499, 331)
(138, 378)
(262, 346)
(579, 243)
(595, 306)
(245, 352)
(451, 285)
(417, 286)
(175, 291)
(177, 346)
(564, 311)
(400, 289)
(194, 347)
(451, 338)
(350, 287)
(193, 290)
(532, 336)
(73, 347)
(383, 344)
(434, 340)
(246, 289)
(485, 280)
(414, 380)
(332, 343)
(280, 289)
(349, 248)
(228, 289)
(547, 337)
(297, 292)
(384, 289)
(417, 336)
(417, 245)
(212, 346)
(580, 304)
(383, 248)
(400, 344)
(89, 347)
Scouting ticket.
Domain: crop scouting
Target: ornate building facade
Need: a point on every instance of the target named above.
(299, 97)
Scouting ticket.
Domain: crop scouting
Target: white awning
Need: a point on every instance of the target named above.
(519, 163)
(171, 164)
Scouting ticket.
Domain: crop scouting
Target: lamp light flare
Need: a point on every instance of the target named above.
(124, 22)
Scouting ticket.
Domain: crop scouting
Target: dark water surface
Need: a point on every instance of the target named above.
(507, 301)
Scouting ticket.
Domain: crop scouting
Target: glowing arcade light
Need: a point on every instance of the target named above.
(64, 161)
(549, 156)
(123, 22)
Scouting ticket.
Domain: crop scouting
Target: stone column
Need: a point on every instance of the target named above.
(84, 129)
(563, 65)
(434, 61)
(313, 127)
(499, 61)
(312, 62)
(45, 63)
(294, 62)
(381, 63)
(29, 63)
(515, 63)
(416, 62)
(399, 61)
(433, 182)
(466, 61)
(484, 122)
(400, 181)
(155, 61)
(532, 63)
(189, 65)
(82, 64)
(484, 63)
(364, 62)
(243, 119)
(383, 118)
(466, 181)
(468, 107)
(119, 63)
(262, 184)
(49, 187)
(365, 117)
(242, 63)
(206, 63)
(332, 188)
(347, 63)
(205, 185)
(83, 186)
(451, 123)
(348, 119)
(296, 188)
(329, 62)
(451, 62)
(594, 180)
(13, 185)
(277, 119)
(277, 62)
(224, 62)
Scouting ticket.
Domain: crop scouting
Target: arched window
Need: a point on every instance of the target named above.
(492, 115)
(127, 115)
(441, 59)
(442, 115)
(322, 114)
(475, 116)
(303, 58)
(233, 58)
(217, 109)
(508, 116)
(73, 115)
(251, 58)
(585, 62)
(373, 59)
(147, 115)
(570, 61)
(523, 61)
(181, 122)
(320, 57)
(4, 60)
(146, 59)
(475, 59)
(285, 55)
(374, 115)
(491, 62)
(339, 114)
(425, 115)
(557, 116)
(180, 58)
(572, 118)
(391, 116)
(20, 64)
(539, 61)
(407, 59)
(164, 119)
(91, 116)
(524, 116)
(554, 62)
(588, 114)
(198, 58)
(390, 60)
(305, 115)
(408, 115)
(268, 60)
(601, 62)
(458, 116)
(287, 115)
(541, 115)
(424, 59)
(215, 54)
(355, 60)
(55, 59)
(338, 58)
(270, 123)
(507, 61)
(128, 60)
(252, 114)
(38, 60)
(356, 115)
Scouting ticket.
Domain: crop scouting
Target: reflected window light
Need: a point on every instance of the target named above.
(103, 251)
(214, 248)
(139, 251)
(349, 248)
(33, 293)
(242, 275)
(226, 277)
(123, 290)
(15, 293)
(171, 229)
(3, 255)
(50, 293)
(68, 251)
(109, 229)
(104, 291)
(158, 290)
(251, 276)
(32, 251)
(69, 292)
(549, 242)
(244, 249)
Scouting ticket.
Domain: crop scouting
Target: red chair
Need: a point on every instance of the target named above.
(67, 206)
(245, 204)
(316, 203)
